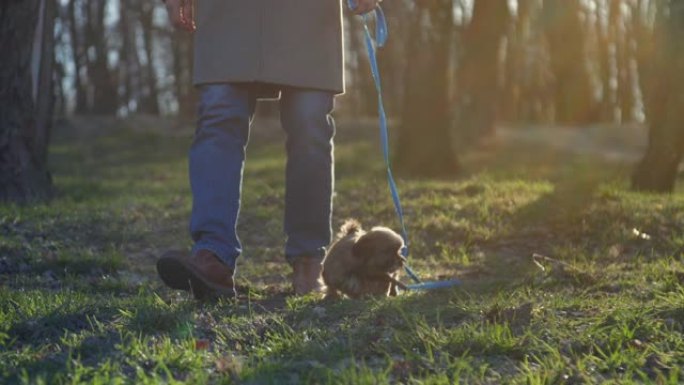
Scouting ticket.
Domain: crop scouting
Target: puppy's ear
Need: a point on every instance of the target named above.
(363, 247)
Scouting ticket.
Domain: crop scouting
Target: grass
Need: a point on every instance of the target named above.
(80, 301)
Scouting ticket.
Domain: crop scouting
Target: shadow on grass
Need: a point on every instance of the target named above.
(147, 315)
(118, 164)
(413, 334)
(51, 327)
(567, 203)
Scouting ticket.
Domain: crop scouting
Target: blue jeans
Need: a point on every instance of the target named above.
(217, 159)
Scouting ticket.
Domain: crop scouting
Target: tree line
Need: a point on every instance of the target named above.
(452, 70)
(121, 57)
(567, 61)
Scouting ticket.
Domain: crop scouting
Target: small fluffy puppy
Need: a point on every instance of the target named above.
(361, 263)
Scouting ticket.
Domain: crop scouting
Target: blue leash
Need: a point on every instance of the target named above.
(381, 34)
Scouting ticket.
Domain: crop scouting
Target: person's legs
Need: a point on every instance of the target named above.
(216, 160)
(305, 116)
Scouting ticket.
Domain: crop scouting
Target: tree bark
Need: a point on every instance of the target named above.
(664, 98)
(23, 170)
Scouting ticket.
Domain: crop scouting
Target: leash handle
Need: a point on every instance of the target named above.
(381, 31)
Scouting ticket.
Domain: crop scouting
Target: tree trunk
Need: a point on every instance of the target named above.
(528, 74)
(479, 76)
(392, 60)
(44, 57)
(604, 34)
(623, 61)
(150, 103)
(424, 145)
(574, 100)
(182, 69)
(60, 42)
(77, 50)
(364, 88)
(123, 70)
(23, 170)
(664, 98)
(514, 65)
(104, 96)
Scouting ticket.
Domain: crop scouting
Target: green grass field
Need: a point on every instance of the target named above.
(80, 301)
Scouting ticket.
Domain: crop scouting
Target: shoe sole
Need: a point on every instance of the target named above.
(180, 276)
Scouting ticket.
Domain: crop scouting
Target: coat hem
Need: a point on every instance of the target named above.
(270, 82)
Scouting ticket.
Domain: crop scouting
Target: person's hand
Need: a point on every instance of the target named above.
(182, 14)
(365, 6)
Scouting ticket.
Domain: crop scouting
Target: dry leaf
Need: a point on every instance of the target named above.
(202, 344)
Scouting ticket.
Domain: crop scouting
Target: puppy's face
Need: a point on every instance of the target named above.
(380, 251)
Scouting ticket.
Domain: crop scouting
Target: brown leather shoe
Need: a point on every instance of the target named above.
(306, 275)
(203, 274)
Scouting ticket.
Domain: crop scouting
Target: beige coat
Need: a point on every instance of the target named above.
(284, 42)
